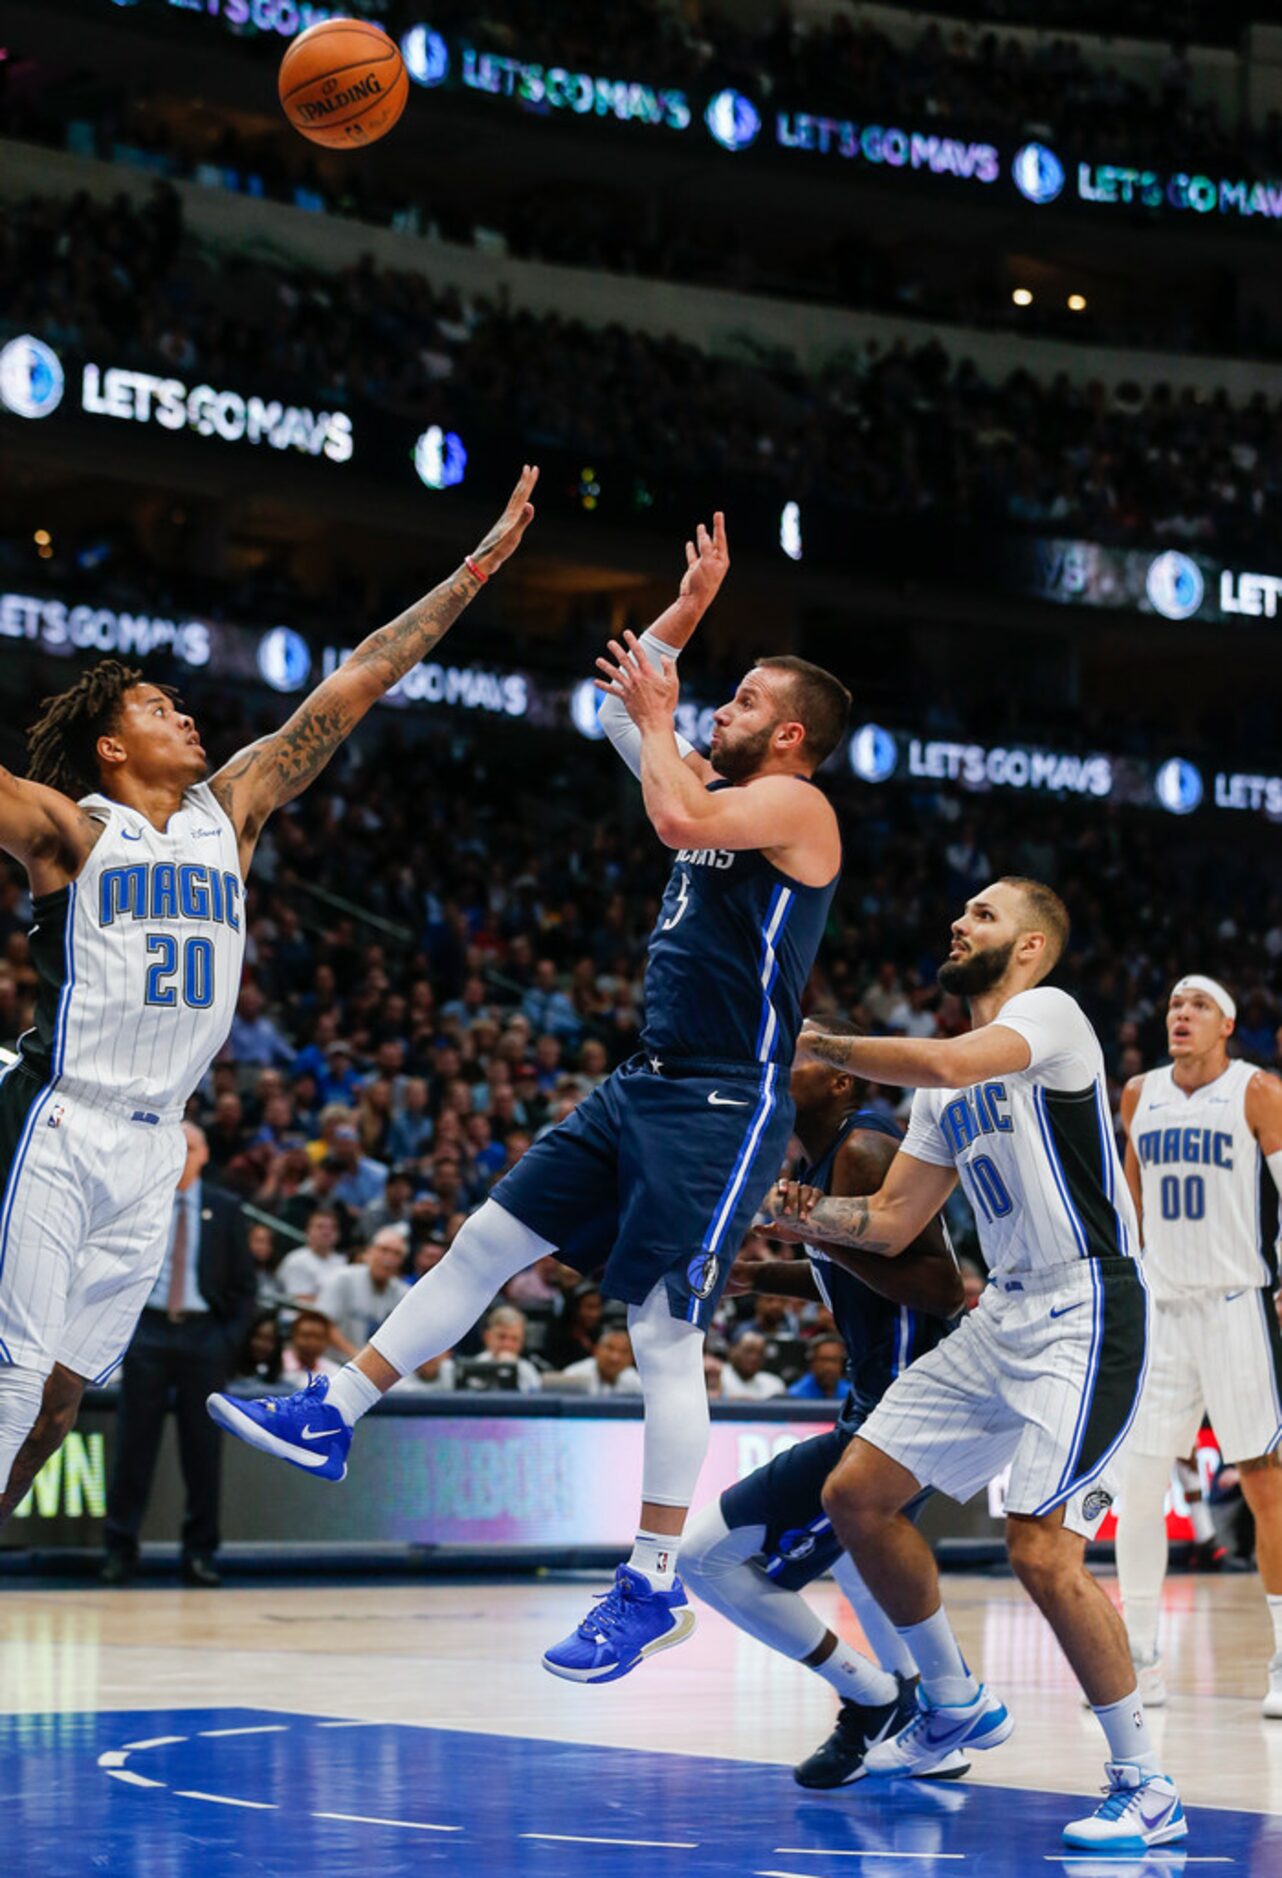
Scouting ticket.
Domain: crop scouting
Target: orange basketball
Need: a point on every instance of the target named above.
(343, 83)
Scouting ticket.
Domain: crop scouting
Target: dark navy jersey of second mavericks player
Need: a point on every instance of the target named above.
(729, 957)
(881, 1338)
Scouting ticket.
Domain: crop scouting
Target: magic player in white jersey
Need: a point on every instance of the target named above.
(1042, 1376)
(137, 867)
(1204, 1162)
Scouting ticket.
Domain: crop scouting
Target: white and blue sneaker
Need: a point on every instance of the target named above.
(938, 1731)
(300, 1428)
(1139, 1810)
(630, 1621)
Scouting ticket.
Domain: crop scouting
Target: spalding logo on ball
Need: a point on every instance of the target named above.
(343, 83)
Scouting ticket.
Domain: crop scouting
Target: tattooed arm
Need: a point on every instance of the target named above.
(884, 1223)
(274, 770)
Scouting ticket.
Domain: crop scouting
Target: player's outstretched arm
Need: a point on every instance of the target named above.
(926, 1062)
(707, 564)
(884, 1224)
(274, 770)
(49, 833)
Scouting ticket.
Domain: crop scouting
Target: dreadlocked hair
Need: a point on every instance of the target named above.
(62, 743)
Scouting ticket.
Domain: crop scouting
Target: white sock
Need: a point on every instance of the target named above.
(945, 1678)
(1141, 1550)
(882, 1638)
(654, 1555)
(1126, 1732)
(722, 1566)
(351, 1392)
(1275, 1612)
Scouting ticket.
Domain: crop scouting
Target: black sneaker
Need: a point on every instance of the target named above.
(840, 1759)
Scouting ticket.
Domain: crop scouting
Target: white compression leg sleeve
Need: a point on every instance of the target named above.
(883, 1639)
(669, 1359)
(491, 1248)
(21, 1393)
(1141, 1550)
(714, 1563)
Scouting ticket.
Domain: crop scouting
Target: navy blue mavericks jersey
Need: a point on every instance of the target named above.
(729, 957)
(881, 1338)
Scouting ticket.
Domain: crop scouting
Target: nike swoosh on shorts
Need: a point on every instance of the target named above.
(1062, 1310)
(726, 1102)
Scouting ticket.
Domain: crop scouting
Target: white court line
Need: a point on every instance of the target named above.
(269, 1728)
(814, 1851)
(351, 1724)
(1157, 1856)
(135, 1780)
(364, 1819)
(160, 1741)
(224, 1799)
(114, 1757)
(575, 1838)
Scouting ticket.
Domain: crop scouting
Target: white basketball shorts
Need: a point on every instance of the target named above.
(1218, 1355)
(88, 1197)
(1044, 1375)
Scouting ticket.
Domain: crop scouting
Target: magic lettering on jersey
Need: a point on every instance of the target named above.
(158, 891)
(1202, 1147)
(975, 1112)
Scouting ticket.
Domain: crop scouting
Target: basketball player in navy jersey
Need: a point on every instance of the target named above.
(658, 1173)
(751, 1554)
(137, 867)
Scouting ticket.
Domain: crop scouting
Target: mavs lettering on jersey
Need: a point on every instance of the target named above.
(162, 890)
(729, 957)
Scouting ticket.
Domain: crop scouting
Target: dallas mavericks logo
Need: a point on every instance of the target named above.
(796, 1545)
(733, 120)
(1178, 786)
(1174, 585)
(284, 659)
(874, 754)
(702, 1273)
(31, 378)
(585, 707)
(426, 56)
(440, 458)
(1097, 1501)
(1038, 174)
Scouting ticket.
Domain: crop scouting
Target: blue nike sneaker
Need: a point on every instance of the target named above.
(630, 1621)
(937, 1731)
(300, 1428)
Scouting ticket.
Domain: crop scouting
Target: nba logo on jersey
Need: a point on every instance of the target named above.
(56, 1115)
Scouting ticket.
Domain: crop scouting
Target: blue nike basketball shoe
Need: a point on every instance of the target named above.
(301, 1428)
(631, 1621)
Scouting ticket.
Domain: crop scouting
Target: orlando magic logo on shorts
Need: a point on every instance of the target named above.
(702, 1273)
(1096, 1502)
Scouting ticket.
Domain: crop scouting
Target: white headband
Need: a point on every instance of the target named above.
(1195, 981)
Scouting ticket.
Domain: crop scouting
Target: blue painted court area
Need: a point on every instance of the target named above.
(223, 1793)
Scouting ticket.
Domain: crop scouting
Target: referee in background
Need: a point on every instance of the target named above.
(193, 1324)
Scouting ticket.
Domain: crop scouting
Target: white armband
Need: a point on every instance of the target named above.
(613, 715)
(1274, 1162)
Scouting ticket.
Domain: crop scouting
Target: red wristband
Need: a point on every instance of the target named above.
(474, 569)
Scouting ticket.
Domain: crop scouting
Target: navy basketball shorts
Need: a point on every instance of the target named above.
(785, 1498)
(657, 1176)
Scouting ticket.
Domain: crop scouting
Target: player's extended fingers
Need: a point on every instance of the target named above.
(719, 533)
(625, 657)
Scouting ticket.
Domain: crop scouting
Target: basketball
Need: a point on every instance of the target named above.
(343, 83)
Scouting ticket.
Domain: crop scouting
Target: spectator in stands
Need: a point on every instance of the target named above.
(549, 1009)
(713, 1371)
(303, 1271)
(409, 1133)
(824, 1380)
(504, 1341)
(608, 1371)
(744, 1376)
(359, 1297)
(362, 1179)
(394, 1207)
(266, 1256)
(306, 1349)
(260, 1356)
(575, 1332)
(437, 1376)
(253, 1037)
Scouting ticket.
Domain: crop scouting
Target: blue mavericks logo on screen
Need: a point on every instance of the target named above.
(1038, 173)
(585, 708)
(31, 377)
(874, 754)
(733, 120)
(1174, 585)
(1178, 786)
(426, 56)
(284, 659)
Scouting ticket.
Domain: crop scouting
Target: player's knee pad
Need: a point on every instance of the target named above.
(710, 1549)
(21, 1394)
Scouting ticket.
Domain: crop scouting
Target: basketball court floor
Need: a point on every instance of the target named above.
(375, 1729)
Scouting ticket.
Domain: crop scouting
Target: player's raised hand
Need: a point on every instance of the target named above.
(649, 694)
(707, 564)
(505, 537)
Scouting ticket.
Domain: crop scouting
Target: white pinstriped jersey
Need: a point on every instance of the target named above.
(139, 959)
(1035, 1150)
(1210, 1205)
